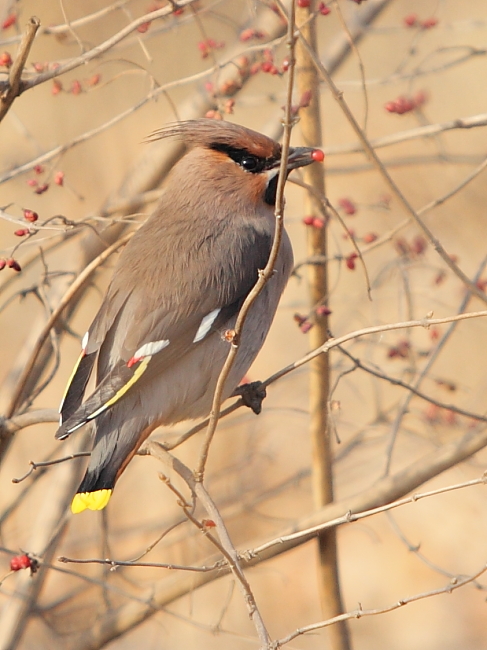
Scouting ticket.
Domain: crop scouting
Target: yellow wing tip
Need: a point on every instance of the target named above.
(90, 501)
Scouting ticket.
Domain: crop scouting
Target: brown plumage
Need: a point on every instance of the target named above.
(178, 285)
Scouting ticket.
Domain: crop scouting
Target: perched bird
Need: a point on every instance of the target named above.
(178, 286)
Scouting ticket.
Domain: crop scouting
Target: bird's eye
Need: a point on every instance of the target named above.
(249, 163)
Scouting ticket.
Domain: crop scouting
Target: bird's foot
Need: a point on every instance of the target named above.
(252, 395)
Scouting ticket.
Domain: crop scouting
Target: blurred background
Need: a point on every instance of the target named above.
(72, 150)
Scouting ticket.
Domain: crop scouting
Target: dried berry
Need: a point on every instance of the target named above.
(42, 188)
(347, 206)
(323, 9)
(350, 261)
(13, 264)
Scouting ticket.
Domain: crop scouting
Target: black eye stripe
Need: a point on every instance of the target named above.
(248, 161)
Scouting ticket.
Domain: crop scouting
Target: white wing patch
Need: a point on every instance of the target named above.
(148, 349)
(205, 325)
(84, 342)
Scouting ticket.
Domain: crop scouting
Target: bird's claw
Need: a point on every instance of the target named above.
(252, 395)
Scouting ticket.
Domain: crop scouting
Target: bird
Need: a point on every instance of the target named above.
(158, 339)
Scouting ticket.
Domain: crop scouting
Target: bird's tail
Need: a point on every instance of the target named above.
(115, 445)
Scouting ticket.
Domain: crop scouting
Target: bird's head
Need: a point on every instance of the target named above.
(235, 159)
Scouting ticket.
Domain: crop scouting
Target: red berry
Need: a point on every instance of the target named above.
(266, 66)
(213, 115)
(403, 348)
(323, 9)
(203, 49)
(318, 223)
(317, 155)
(5, 60)
(250, 33)
(20, 562)
(57, 87)
(369, 238)
(76, 88)
(305, 327)
(39, 169)
(419, 245)
(208, 523)
(434, 333)
(59, 178)
(411, 20)
(429, 23)
(94, 80)
(39, 67)
(305, 100)
(308, 220)
(42, 188)
(144, 27)
(32, 182)
(21, 232)
(30, 215)
(350, 261)
(304, 4)
(3, 264)
(10, 20)
(323, 310)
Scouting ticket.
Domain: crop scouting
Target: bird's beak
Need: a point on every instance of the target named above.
(300, 157)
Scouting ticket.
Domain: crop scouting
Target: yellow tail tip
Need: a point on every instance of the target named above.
(90, 501)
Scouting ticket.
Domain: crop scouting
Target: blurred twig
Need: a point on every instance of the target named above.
(319, 370)
(15, 86)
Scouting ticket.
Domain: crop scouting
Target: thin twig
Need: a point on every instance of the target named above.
(350, 517)
(130, 563)
(453, 585)
(398, 382)
(428, 131)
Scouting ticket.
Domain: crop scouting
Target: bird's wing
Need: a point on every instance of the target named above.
(132, 341)
(90, 345)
